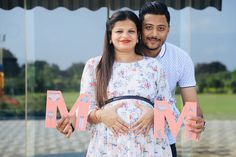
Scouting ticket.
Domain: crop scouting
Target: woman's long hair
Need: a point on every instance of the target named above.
(104, 68)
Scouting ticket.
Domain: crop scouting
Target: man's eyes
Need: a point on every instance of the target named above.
(148, 27)
(158, 28)
(161, 28)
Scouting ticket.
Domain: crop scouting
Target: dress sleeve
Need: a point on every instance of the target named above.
(88, 82)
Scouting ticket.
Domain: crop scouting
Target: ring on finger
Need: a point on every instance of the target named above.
(204, 126)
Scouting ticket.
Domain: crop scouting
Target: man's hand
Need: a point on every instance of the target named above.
(196, 124)
(64, 126)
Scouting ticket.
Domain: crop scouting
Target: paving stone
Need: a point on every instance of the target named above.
(219, 139)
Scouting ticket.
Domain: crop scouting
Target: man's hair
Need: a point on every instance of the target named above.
(157, 8)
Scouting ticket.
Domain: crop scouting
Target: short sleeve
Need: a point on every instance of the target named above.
(187, 77)
(88, 82)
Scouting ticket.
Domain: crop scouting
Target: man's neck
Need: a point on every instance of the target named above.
(151, 53)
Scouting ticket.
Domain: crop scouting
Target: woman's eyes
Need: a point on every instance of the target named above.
(119, 31)
(130, 31)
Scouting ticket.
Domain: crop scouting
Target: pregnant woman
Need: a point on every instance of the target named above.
(120, 82)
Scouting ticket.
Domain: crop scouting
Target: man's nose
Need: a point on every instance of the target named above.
(155, 32)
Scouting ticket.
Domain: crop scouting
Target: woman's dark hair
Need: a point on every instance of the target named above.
(157, 8)
(104, 68)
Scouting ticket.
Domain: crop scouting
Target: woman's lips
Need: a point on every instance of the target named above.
(125, 41)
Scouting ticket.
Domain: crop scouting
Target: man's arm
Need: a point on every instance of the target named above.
(189, 94)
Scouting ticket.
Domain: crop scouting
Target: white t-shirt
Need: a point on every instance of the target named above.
(179, 70)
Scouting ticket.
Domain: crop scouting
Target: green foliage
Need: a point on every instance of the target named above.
(11, 67)
(233, 86)
(36, 106)
(10, 108)
(42, 76)
(210, 68)
(215, 80)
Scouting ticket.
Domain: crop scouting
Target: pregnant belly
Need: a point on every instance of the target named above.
(129, 112)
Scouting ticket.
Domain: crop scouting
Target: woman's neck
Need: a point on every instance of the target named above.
(127, 57)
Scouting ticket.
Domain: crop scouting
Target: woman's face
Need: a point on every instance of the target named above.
(124, 36)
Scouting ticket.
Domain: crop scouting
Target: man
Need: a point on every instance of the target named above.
(178, 66)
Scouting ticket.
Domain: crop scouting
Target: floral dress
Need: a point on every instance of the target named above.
(143, 78)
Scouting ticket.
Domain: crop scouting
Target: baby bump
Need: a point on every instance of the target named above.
(129, 112)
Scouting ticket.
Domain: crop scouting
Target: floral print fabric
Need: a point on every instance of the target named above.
(143, 78)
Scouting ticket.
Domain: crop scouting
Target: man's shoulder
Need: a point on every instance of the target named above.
(175, 50)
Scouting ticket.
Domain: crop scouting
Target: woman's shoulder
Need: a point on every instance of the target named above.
(93, 61)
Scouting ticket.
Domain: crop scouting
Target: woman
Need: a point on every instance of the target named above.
(123, 85)
(122, 72)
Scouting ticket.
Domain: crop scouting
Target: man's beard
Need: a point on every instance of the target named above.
(150, 49)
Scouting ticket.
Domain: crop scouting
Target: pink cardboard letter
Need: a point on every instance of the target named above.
(55, 99)
(163, 111)
(82, 112)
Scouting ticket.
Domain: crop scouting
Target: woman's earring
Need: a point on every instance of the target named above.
(110, 42)
(137, 41)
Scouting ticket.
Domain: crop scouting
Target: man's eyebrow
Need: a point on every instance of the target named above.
(148, 24)
(160, 25)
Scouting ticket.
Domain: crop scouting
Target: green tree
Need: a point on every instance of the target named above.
(74, 73)
(10, 65)
(210, 68)
(44, 76)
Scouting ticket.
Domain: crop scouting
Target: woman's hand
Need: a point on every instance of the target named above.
(64, 126)
(145, 121)
(110, 118)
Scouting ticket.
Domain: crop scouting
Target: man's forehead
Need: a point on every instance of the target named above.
(154, 19)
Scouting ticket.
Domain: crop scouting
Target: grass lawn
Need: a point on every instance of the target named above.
(216, 106)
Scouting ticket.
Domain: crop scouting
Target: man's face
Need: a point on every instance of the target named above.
(154, 31)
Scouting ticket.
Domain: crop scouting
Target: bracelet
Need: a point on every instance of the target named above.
(73, 129)
(96, 118)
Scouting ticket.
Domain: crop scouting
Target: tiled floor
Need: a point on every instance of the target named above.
(219, 139)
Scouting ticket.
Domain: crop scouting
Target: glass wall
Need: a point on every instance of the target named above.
(12, 94)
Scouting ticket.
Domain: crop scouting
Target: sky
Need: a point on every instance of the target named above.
(64, 37)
